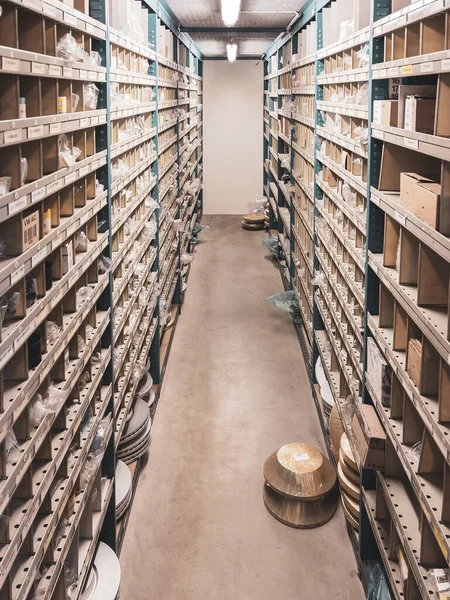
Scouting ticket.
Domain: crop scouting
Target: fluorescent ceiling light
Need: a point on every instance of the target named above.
(230, 11)
(232, 52)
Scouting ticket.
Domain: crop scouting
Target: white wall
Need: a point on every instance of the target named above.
(233, 135)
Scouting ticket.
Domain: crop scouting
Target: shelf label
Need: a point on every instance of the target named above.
(83, 171)
(67, 71)
(407, 69)
(4, 359)
(411, 143)
(10, 64)
(426, 67)
(39, 256)
(23, 335)
(54, 186)
(12, 137)
(393, 72)
(55, 71)
(84, 123)
(70, 19)
(92, 75)
(70, 178)
(83, 74)
(39, 68)
(55, 128)
(17, 274)
(17, 205)
(35, 132)
(37, 195)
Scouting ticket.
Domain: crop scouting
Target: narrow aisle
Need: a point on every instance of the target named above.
(235, 390)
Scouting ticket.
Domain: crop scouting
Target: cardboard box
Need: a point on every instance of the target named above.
(422, 197)
(385, 112)
(30, 229)
(370, 438)
(67, 257)
(415, 361)
(420, 113)
(411, 90)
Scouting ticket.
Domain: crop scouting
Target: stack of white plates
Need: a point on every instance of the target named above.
(124, 483)
(325, 392)
(104, 577)
(136, 436)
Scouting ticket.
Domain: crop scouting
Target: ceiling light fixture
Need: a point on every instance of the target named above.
(232, 51)
(230, 12)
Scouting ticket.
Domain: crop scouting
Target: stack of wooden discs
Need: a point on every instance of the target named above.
(349, 479)
(253, 222)
(299, 486)
(336, 431)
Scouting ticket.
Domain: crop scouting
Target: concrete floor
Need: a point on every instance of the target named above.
(235, 390)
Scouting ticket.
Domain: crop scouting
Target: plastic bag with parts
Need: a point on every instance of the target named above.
(287, 301)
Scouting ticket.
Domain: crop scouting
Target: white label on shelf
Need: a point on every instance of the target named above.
(10, 64)
(71, 230)
(93, 75)
(426, 67)
(70, 178)
(393, 72)
(39, 68)
(400, 218)
(4, 359)
(94, 120)
(57, 241)
(35, 132)
(55, 71)
(89, 28)
(24, 335)
(70, 19)
(55, 128)
(445, 64)
(84, 123)
(39, 256)
(51, 10)
(73, 279)
(411, 143)
(83, 74)
(67, 71)
(84, 171)
(37, 195)
(13, 136)
(54, 301)
(54, 186)
(17, 274)
(17, 205)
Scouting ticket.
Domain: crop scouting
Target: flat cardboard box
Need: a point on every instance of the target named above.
(385, 112)
(370, 438)
(415, 361)
(379, 373)
(422, 197)
(30, 230)
(420, 113)
(411, 90)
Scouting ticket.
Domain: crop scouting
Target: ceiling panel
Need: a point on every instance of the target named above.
(255, 14)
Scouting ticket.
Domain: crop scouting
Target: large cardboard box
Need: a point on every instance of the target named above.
(385, 112)
(422, 197)
(415, 361)
(370, 438)
(420, 113)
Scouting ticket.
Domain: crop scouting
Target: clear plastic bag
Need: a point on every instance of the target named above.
(104, 264)
(52, 331)
(413, 453)
(75, 102)
(287, 301)
(67, 156)
(363, 56)
(90, 96)
(83, 294)
(442, 579)
(378, 588)
(11, 442)
(5, 185)
(271, 243)
(38, 411)
(346, 29)
(68, 49)
(80, 242)
(23, 170)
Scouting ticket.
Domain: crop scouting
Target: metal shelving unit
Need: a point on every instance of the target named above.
(97, 209)
(371, 275)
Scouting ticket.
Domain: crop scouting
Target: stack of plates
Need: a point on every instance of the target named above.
(299, 486)
(104, 577)
(136, 436)
(124, 482)
(348, 475)
(325, 393)
(253, 222)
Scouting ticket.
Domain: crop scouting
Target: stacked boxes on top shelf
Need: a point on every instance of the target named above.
(360, 187)
(96, 209)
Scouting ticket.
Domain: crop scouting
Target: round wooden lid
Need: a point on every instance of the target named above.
(253, 219)
(297, 513)
(351, 505)
(349, 473)
(350, 519)
(336, 430)
(252, 226)
(299, 471)
(351, 488)
(348, 453)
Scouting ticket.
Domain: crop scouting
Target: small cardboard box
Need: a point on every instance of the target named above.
(385, 112)
(415, 361)
(420, 113)
(422, 197)
(370, 438)
(30, 229)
